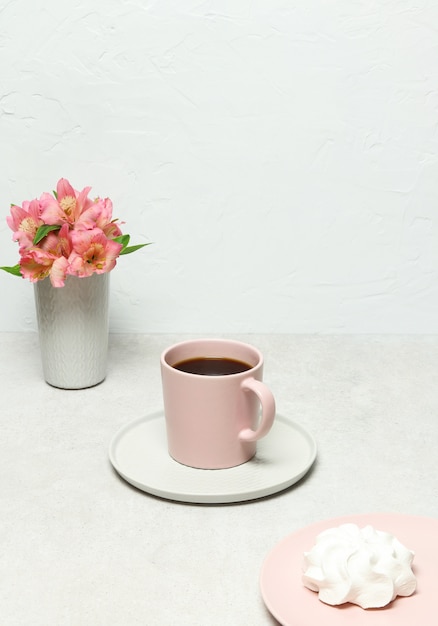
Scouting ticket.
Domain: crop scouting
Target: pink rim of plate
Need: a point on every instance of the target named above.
(293, 605)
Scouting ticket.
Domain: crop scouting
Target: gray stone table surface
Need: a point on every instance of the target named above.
(79, 546)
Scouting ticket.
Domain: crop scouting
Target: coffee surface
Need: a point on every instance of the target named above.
(212, 366)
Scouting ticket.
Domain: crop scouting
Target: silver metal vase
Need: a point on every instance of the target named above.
(73, 330)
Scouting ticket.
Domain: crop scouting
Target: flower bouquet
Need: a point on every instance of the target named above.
(71, 241)
(66, 233)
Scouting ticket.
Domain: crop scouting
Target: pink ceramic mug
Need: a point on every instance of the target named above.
(212, 392)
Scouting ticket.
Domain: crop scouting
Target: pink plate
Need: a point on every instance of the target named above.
(292, 604)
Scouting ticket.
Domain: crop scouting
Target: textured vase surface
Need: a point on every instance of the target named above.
(73, 330)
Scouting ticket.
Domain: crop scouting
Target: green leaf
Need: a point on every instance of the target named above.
(123, 239)
(130, 249)
(44, 230)
(15, 270)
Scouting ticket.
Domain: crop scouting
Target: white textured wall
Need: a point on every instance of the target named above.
(283, 155)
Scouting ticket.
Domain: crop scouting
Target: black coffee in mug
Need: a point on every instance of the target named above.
(212, 366)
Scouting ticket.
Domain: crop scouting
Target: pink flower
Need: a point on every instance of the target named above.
(49, 259)
(35, 264)
(99, 215)
(92, 252)
(58, 243)
(105, 221)
(69, 206)
(24, 221)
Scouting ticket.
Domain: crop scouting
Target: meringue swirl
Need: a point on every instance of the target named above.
(365, 566)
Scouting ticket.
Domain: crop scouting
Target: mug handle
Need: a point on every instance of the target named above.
(267, 401)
